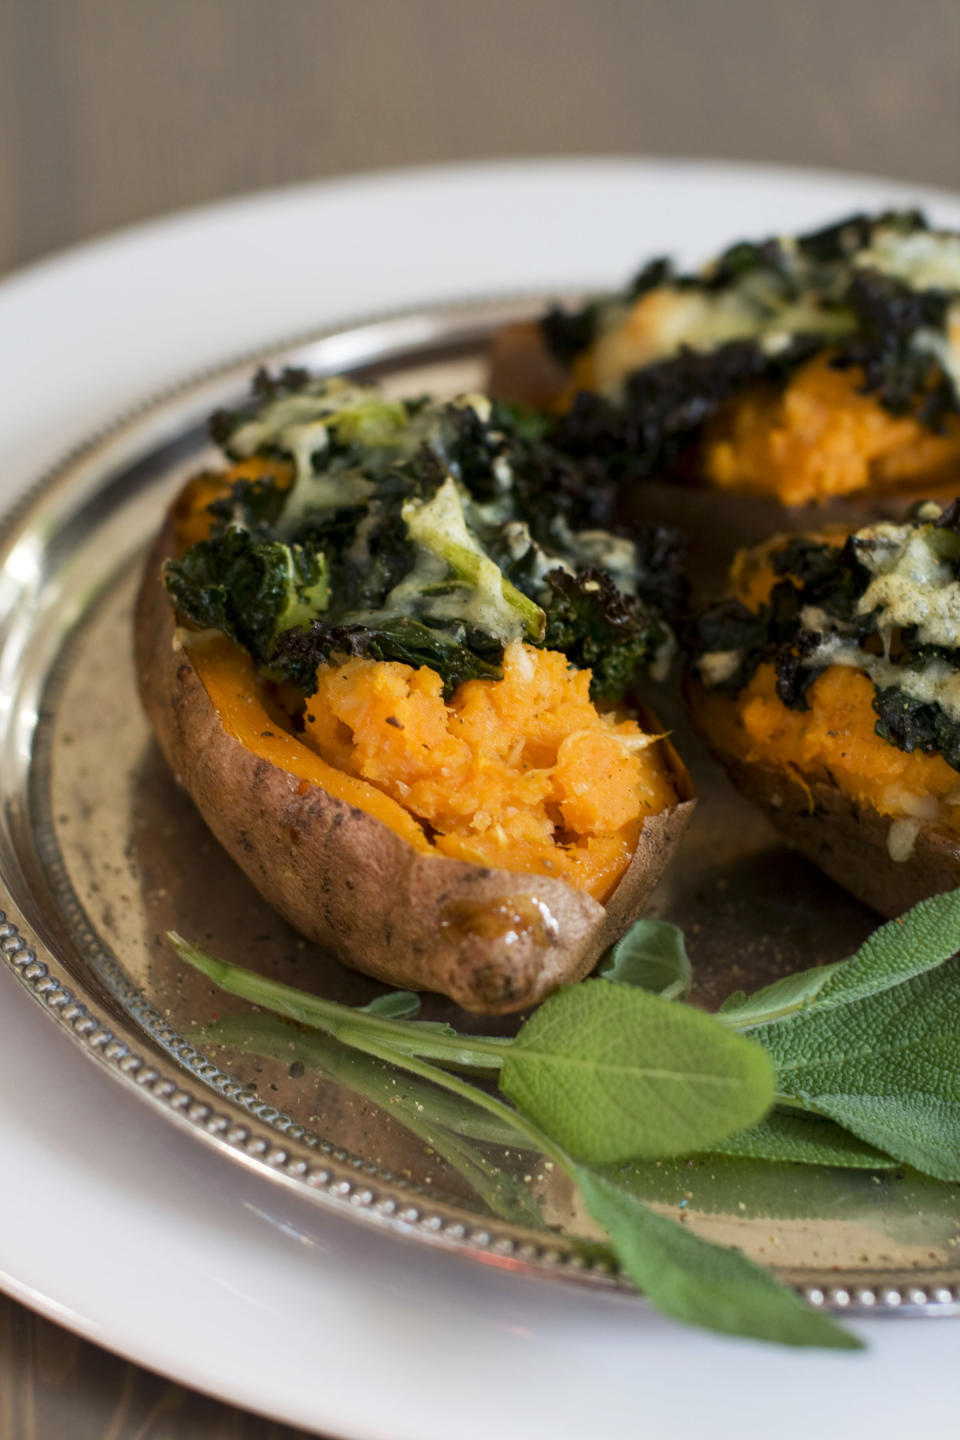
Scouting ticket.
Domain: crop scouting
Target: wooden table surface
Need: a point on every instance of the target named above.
(112, 112)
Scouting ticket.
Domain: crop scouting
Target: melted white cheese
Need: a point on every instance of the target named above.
(914, 582)
(914, 585)
(936, 684)
(665, 321)
(439, 528)
(718, 666)
(926, 259)
(599, 548)
(299, 426)
(901, 838)
(945, 348)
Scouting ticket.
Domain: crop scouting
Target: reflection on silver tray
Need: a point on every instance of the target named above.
(93, 840)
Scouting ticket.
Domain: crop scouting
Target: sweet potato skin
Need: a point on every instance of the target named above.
(522, 368)
(846, 840)
(493, 940)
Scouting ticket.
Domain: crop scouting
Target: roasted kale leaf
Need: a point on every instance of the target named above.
(251, 589)
(664, 406)
(912, 724)
(298, 653)
(569, 332)
(904, 375)
(599, 629)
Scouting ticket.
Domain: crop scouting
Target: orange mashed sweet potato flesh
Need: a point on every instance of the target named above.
(835, 742)
(522, 773)
(819, 437)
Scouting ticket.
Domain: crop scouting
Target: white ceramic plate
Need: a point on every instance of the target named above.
(188, 1264)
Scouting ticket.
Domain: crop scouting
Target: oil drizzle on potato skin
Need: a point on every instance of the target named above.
(509, 920)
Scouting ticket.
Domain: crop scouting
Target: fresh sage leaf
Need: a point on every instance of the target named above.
(898, 1205)
(873, 1042)
(802, 1139)
(884, 1065)
(393, 1005)
(916, 942)
(700, 1283)
(611, 1072)
(653, 956)
(773, 1002)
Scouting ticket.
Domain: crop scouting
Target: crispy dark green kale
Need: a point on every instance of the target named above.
(253, 590)
(299, 652)
(599, 629)
(843, 239)
(431, 534)
(569, 332)
(546, 483)
(890, 348)
(873, 292)
(264, 387)
(819, 582)
(729, 628)
(886, 602)
(662, 407)
(256, 505)
(913, 724)
(661, 577)
(829, 578)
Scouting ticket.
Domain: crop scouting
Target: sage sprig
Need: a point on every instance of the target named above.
(687, 1080)
(873, 1042)
(798, 1138)
(609, 1072)
(652, 955)
(854, 1064)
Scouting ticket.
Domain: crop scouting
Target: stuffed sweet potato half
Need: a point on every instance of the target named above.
(390, 668)
(828, 683)
(796, 370)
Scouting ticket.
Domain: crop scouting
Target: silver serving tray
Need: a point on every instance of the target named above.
(100, 855)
